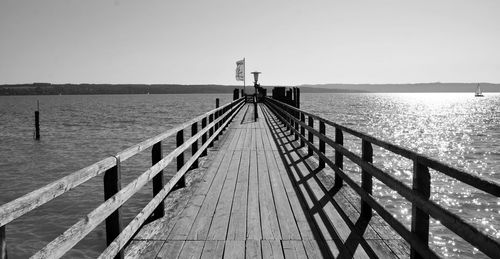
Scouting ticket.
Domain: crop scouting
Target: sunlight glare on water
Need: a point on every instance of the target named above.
(456, 128)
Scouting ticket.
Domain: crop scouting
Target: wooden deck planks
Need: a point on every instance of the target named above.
(218, 228)
(234, 249)
(272, 249)
(191, 249)
(213, 249)
(286, 219)
(238, 217)
(293, 249)
(256, 199)
(269, 220)
(253, 209)
(253, 249)
(200, 227)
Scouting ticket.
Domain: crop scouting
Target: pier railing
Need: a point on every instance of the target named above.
(211, 125)
(418, 195)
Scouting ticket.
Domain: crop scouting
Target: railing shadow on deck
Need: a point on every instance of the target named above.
(423, 208)
(211, 125)
(286, 146)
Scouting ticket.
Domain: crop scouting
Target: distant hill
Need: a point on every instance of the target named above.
(402, 88)
(69, 89)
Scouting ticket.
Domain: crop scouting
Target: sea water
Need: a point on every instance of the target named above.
(76, 131)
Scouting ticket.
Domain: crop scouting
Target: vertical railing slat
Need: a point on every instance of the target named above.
(217, 115)
(3, 243)
(156, 156)
(420, 219)
(180, 160)
(366, 178)
(204, 136)
(112, 185)
(339, 158)
(302, 129)
(211, 130)
(322, 147)
(310, 136)
(194, 146)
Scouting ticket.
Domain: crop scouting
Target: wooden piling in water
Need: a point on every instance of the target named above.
(37, 121)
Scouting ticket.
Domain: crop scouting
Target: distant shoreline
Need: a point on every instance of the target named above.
(96, 89)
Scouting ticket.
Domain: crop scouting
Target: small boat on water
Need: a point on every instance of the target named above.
(478, 93)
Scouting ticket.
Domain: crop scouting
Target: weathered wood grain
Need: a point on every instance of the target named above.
(253, 249)
(170, 250)
(213, 249)
(191, 249)
(272, 249)
(147, 249)
(293, 249)
(234, 249)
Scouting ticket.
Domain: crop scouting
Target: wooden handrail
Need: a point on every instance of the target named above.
(135, 224)
(79, 230)
(26, 203)
(485, 185)
(20, 206)
(418, 196)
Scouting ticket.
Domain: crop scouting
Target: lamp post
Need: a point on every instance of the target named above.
(255, 85)
(256, 79)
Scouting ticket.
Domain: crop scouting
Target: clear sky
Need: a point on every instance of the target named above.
(291, 42)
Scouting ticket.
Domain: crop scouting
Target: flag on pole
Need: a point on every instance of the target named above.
(240, 70)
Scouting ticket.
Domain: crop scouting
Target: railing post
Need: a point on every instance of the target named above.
(180, 160)
(156, 156)
(302, 129)
(204, 136)
(3, 243)
(339, 158)
(194, 146)
(112, 185)
(296, 124)
(217, 115)
(366, 178)
(322, 148)
(420, 219)
(310, 136)
(211, 130)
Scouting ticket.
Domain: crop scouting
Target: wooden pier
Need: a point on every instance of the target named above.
(266, 189)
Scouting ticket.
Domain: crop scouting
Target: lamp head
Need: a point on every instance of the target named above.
(256, 76)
